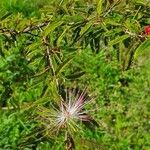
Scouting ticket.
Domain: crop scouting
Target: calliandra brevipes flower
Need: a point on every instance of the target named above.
(147, 30)
(68, 113)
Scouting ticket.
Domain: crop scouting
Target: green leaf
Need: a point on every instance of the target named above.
(99, 7)
(143, 49)
(73, 19)
(61, 37)
(118, 39)
(51, 27)
(6, 15)
(85, 28)
(112, 21)
(63, 64)
(113, 32)
(141, 2)
(33, 46)
(76, 75)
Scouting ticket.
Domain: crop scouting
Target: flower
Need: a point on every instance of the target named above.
(72, 110)
(147, 30)
(68, 113)
(65, 116)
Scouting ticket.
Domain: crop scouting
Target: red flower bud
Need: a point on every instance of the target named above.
(147, 30)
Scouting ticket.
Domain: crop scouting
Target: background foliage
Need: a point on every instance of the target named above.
(48, 46)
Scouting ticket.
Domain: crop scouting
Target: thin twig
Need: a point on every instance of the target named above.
(27, 30)
(48, 53)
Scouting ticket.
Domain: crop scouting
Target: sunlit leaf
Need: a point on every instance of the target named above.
(51, 27)
(85, 28)
(143, 49)
(118, 39)
(99, 7)
(60, 38)
(63, 64)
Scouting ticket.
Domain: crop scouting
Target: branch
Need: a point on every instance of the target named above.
(27, 30)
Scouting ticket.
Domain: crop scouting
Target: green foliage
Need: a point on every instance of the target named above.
(48, 47)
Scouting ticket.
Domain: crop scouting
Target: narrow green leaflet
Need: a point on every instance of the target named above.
(61, 37)
(118, 39)
(64, 63)
(85, 28)
(99, 6)
(142, 2)
(51, 27)
(143, 49)
(33, 46)
(76, 75)
(5, 15)
(113, 32)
